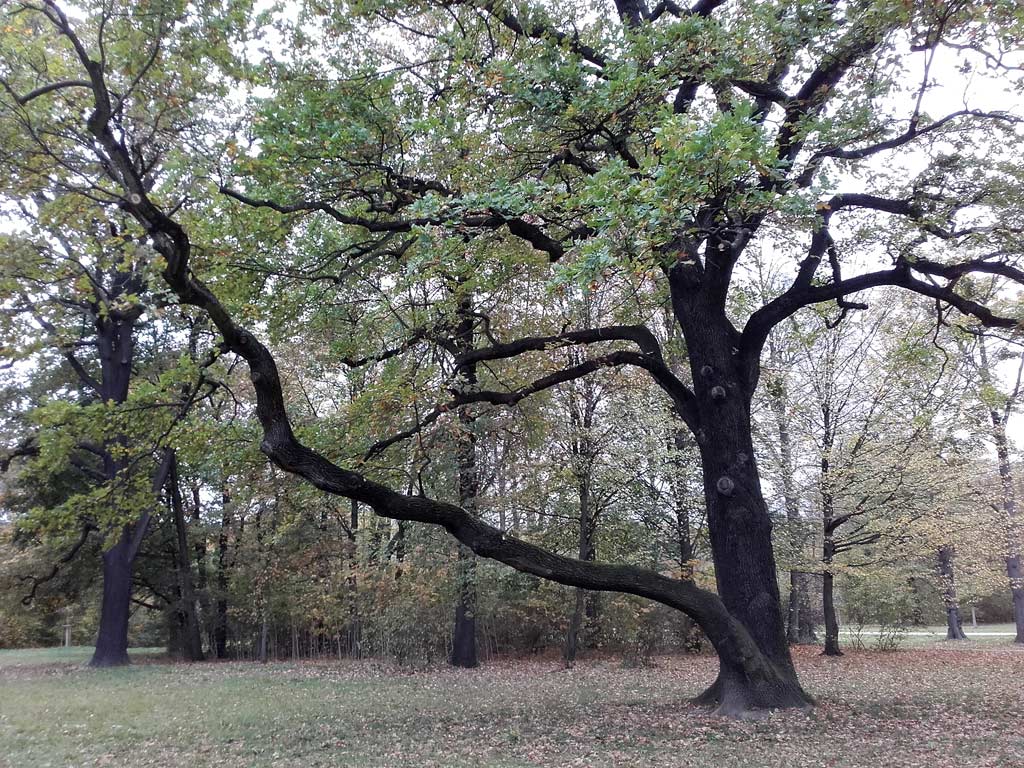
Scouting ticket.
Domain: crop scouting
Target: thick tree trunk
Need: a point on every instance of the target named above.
(116, 345)
(954, 623)
(739, 526)
(464, 630)
(112, 640)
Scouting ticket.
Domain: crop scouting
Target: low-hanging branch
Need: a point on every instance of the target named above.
(733, 641)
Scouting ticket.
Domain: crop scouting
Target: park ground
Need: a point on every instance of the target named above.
(932, 703)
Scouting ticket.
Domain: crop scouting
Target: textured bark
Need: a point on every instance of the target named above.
(464, 651)
(954, 622)
(112, 639)
(116, 344)
(739, 525)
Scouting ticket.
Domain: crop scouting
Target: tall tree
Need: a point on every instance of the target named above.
(999, 405)
(661, 141)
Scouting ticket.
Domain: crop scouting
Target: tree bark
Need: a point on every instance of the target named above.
(464, 650)
(1014, 572)
(954, 622)
(112, 640)
(192, 640)
(829, 608)
(739, 525)
(220, 627)
(116, 344)
(828, 547)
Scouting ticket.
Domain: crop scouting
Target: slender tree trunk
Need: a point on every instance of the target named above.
(192, 641)
(464, 651)
(220, 628)
(1014, 572)
(583, 401)
(828, 525)
(199, 553)
(828, 604)
(954, 623)
(800, 627)
(112, 640)
(586, 553)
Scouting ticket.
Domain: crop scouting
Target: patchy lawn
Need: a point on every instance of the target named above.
(940, 706)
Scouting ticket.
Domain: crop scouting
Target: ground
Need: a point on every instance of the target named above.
(936, 704)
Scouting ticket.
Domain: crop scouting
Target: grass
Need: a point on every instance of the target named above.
(935, 707)
(984, 635)
(76, 654)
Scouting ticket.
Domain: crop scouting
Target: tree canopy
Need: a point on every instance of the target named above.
(420, 187)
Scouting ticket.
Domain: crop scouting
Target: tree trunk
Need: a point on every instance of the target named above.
(829, 607)
(954, 623)
(220, 628)
(582, 406)
(192, 642)
(1014, 573)
(739, 526)
(800, 627)
(464, 631)
(112, 640)
(828, 527)
(464, 652)
(581, 606)
(116, 345)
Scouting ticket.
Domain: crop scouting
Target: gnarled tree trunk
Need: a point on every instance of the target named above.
(739, 526)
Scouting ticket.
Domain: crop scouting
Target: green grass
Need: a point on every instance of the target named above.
(76, 654)
(921, 707)
(984, 635)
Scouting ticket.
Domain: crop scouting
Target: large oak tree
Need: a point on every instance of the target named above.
(676, 144)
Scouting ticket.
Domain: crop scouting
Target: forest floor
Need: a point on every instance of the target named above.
(942, 705)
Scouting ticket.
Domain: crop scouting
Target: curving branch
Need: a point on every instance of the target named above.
(535, 30)
(67, 557)
(27, 447)
(45, 89)
(739, 654)
(524, 230)
(682, 397)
